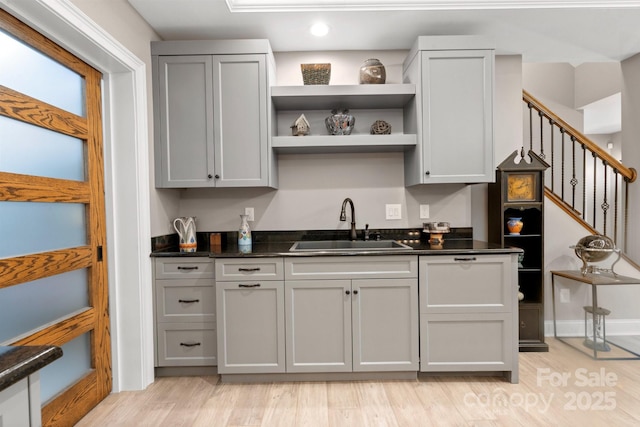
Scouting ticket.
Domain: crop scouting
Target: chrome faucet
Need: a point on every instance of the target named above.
(343, 217)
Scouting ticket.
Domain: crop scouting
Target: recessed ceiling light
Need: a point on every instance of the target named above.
(320, 29)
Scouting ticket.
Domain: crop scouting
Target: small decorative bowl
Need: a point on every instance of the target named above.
(316, 74)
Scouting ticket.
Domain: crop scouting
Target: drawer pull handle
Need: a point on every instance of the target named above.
(249, 269)
(465, 259)
(187, 268)
(254, 285)
(188, 301)
(186, 344)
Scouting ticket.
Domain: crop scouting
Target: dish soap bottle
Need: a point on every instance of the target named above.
(244, 235)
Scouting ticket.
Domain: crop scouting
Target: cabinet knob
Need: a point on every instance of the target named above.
(355, 292)
(217, 176)
(209, 176)
(427, 173)
(348, 292)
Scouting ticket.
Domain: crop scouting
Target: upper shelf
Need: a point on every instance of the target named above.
(322, 97)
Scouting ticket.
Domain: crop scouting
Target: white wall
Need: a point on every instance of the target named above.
(312, 187)
(630, 145)
(596, 80)
(123, 23)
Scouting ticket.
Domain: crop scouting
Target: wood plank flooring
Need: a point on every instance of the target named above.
(560, 388)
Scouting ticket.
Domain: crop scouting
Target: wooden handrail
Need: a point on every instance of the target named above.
(630, 174)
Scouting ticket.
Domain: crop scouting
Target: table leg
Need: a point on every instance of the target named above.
(594, 299)
(553, 303)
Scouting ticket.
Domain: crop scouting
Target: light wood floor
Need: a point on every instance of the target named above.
(560, 388)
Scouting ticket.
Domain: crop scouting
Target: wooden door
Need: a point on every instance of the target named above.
(39, 135)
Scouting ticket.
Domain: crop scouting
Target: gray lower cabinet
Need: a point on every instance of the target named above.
(185, 312)
(212, 114)
(468, 314)
(346, 314)
(250, 315)
(452, 113)
(20, 403)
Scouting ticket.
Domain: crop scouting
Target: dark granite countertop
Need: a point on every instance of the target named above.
(270, 244)
(19, 362)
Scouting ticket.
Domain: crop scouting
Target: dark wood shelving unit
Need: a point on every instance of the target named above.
(519, 192)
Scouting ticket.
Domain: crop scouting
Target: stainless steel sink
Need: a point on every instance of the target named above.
(347, 245)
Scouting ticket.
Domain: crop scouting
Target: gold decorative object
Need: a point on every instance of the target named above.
(380, 127)
(316, 74)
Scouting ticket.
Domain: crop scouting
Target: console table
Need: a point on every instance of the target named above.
(594, 280)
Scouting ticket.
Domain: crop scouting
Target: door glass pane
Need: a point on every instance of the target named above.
(74, 364)
(28, 306)
(32, 150)
(39, 76)
(30, 227)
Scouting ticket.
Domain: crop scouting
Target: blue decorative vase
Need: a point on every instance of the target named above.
(244, 235)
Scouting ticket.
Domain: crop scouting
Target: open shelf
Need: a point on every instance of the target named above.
(343, 143)
(322, 97)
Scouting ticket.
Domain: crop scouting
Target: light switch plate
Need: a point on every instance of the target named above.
(424, 211)
(249, 213)
(393, 211)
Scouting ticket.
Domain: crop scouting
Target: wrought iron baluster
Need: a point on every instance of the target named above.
(551, 124)
(615, 207)
(595, 167)
(574, 181)
(584, 182)
(541, 115)
(530, 126)
(605, 205)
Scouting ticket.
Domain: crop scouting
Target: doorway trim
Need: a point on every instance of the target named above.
(126, 145)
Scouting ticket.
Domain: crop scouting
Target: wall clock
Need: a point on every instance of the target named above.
(521, 187)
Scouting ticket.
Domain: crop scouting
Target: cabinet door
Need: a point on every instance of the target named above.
(385, 324)
(250, 319)
(467, 284)
(466, 342)
(183, 113)
(240, 120)
(14, 405)
(318, 314)
(457, 103)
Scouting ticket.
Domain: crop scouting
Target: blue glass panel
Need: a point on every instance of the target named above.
(28, 306)
(30, 227)
(28, 71)
(74, 364)
(32, 150)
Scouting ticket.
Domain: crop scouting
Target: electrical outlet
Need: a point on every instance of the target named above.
(565, 295)
(393, 211)
(249, 213)
(424, 211)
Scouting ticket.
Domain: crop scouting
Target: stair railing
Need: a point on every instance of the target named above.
(583, 179)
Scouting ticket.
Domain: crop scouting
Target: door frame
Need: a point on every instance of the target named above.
(126, 150)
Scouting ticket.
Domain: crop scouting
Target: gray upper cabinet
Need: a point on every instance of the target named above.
(211, 114)
(453, 110)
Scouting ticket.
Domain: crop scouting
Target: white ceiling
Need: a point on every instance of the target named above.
(541, 31)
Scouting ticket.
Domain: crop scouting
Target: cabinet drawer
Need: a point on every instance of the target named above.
(185, 300)
(360, 267)
(187, 344)
(463, 342)
(184, 267)
(255, 269)
(463, 284)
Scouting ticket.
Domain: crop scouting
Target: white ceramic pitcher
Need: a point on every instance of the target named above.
(186, 229)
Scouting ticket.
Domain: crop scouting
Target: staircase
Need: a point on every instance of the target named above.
(583, 180)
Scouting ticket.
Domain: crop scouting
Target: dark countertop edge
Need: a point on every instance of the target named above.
(17, 363)
(483, 248)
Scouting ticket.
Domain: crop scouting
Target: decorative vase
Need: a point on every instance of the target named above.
(372, 72)
(514, 225)
(244, 235)
(340, 123)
